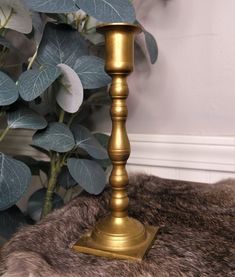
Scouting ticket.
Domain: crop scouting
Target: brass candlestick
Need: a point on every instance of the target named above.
(117, 235)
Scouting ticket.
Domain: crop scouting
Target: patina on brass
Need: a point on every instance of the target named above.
(118, 235)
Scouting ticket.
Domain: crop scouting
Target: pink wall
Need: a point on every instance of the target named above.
(191, 89)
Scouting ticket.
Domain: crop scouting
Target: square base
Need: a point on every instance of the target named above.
(86, 245)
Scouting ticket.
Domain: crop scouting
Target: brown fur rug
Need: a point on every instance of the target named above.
(196, 237)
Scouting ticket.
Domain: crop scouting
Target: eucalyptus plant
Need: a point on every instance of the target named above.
(56, 82)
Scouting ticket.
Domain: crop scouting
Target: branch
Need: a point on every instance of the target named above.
(4, 133)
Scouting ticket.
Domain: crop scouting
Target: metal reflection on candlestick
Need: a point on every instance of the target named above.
(118, 235)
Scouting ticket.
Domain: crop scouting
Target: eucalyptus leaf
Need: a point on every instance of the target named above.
(108, 10)
(95, 38)
(15, 177)
(34, 165)
(24, 118)
(33, 83)
(151, 46)
(85, 140)
(65, 179)
(91, 24)
(70, 91)
(14, 15)
(60, 18)
(56, 137)
(104, 163)
(8, 90)
(10, 221)
(39, 23)
(30, 162)
(61, 45)
(36, 200)
(52, 6)
(46, 103)
(90, 32)
(72, 193)
(40, 150)
(91, 71)
(89, 174)
(104, 141)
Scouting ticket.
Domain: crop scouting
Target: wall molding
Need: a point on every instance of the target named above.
(17, 142)
(191, 158)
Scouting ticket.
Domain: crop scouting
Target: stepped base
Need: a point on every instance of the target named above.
(118, 238)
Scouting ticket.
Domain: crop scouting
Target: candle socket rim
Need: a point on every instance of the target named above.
(103, 27)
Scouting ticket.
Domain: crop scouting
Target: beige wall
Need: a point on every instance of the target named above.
(191, 89)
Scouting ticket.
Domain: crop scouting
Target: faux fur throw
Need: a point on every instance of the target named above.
(196, 238)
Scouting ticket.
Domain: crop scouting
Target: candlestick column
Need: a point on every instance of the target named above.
(118, 235)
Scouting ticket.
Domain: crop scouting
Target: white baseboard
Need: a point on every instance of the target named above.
(191, 158)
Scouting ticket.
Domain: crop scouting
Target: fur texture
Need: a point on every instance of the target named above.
(196, 237)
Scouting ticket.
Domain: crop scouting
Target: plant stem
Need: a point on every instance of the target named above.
(32, 59)
(2, 113)
(61, 116)
(71, 119)
(55, 168)
(2, 56)
(56, 164)
(4, 133)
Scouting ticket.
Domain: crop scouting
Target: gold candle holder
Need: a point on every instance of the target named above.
(118, 235)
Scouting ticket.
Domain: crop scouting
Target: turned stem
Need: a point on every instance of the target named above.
(119, 146)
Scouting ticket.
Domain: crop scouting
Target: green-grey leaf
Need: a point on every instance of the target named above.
(52, 6)
(40, 150)
(36, 200)
(14, 15)
(35, 165)
(10, 220)
(39, 23)
(30, 162)
(85, 140)
(15, 177)
(61, 44)
(33, 83)
(90, 69)
(108, 10)
(151, 46)
(70, 91)
(89, 174)
(56, 137)
(104, 141)
(25, 118)
(8, 90)
(65, 179)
